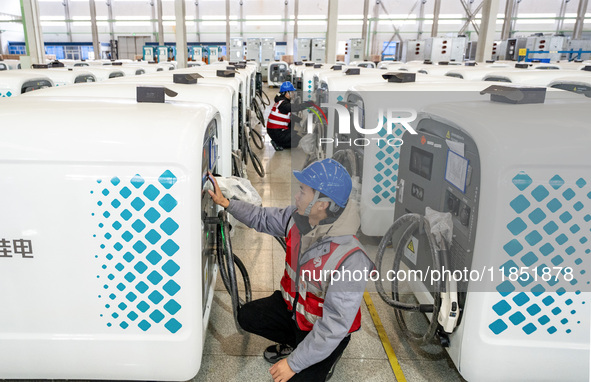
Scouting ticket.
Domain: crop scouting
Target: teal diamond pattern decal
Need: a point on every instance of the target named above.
(547, 228)
(146, 235)
(387, 159)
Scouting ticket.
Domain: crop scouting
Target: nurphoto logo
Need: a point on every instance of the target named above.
(387, 119)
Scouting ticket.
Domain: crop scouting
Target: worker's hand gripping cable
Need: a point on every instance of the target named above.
(437, 228)
(234, 187)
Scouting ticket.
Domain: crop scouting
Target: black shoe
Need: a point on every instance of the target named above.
(277, 352)
(276, 146)
(331, 371)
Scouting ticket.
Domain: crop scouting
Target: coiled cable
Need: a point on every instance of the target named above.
(227, 260)
(411, 223)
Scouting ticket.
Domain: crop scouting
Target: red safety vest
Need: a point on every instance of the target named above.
(278, 120)
(311, 301)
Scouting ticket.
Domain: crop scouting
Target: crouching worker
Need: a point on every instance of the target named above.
(313, 314)
(279, 123)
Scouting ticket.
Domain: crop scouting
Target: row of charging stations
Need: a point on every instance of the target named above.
(378, 191)
(224, 92)
(163, 54)
(539, 47)
(305, 49)
(120, 287)
(141, 282)
(16, 82)
(515, 204)
(516, 209)
(377, 182)
(390, 180)
(240, 78)
(367, 93)
(496, 71)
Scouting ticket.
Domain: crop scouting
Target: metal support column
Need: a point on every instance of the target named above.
(285, 20)
(487, 29)
(32, 29)
(66, 4)
(95, 38)
(515, 12)
(154, 23)
(436, 11)
(111, 28)
(508, 22)
(295, 19)
(421, 19)
(242, 19)
(331, 31)
(561, 14)
(364, 27)
(375, 49)
(197, 32)
(227, 29)
(159, 21)
(181, 34)
(578, 31)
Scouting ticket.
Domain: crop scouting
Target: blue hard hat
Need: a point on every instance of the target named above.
(328, 177)
(286, 87)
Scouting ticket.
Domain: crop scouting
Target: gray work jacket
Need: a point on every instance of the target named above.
(343, 297)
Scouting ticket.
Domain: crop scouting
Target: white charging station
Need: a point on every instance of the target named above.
(378, 182)
(278, 73)
(517, 203)
(204, 92)
(14, 83)
(107, 264)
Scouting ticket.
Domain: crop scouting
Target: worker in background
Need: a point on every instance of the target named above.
(279, 123)
(310, 317)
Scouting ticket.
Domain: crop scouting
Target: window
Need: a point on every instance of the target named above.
(72, 53)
